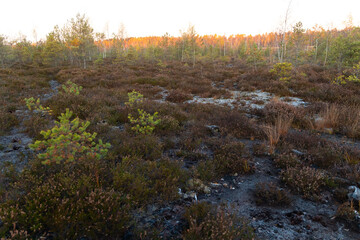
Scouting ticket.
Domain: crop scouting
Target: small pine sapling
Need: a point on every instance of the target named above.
(33, 105)
(71, 88)
(68, 141)
(145, 123)
(282, 71)
(134, 98)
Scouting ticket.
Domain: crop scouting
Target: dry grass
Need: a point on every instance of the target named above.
(350, 120)
(329, 118)
(275, 132)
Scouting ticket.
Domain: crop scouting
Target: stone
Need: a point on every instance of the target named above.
(214, 129)
(354, 193)
(207, 190)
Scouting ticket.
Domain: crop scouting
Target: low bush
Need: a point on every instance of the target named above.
(209, 223)
(178, 96)
(149, 180)
(306, 180)
(36, 124)
(282, 71)
(7, 121)
(287, 160)
(232, 158)
(148, 147)
(64, 206)
(269, 194)
(80, 105)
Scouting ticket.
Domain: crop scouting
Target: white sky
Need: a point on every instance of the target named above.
(156, 17)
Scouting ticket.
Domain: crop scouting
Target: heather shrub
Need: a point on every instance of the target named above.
(286, 160)
(325, 156)
(209, 223)
(277, 108)
(7, 121)
(147, 147)
(35, 124)
(80, 105)
(346, 212)
(64, 207)
(232, 158)
(168, 125)
(236, 124)
(306, 180)
(206, 170)
(269, 194)
(178, 96)
(147, 180)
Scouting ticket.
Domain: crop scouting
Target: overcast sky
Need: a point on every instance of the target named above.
(156, 17)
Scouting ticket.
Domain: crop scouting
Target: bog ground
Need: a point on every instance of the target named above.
(218, 150)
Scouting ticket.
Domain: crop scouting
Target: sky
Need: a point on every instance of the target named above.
(157, 17)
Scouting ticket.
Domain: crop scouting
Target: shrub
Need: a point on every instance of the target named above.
(168, 125)
(148, 180)
(71, 88)
(80, 105)
(60, 207)
(286, 160)
(146, 147)
(269, 194)
(282, 71)
(134, 98)
(206, 170)
(346, 212)
(7, 121)
(276, 108)
(68, 141)
(33, 105)
(325, 156)
(306, 180)
(209, 223)
(178, 96)
(232, 158)
(145, 123)
(35, 124)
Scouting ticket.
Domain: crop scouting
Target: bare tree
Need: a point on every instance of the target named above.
(283, 31)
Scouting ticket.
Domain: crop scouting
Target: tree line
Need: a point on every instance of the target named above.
(77, 44)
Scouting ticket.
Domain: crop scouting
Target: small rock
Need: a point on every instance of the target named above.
(354, 193)
(214, 129)
(207, 190)
(190, 194)
(215, 184)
